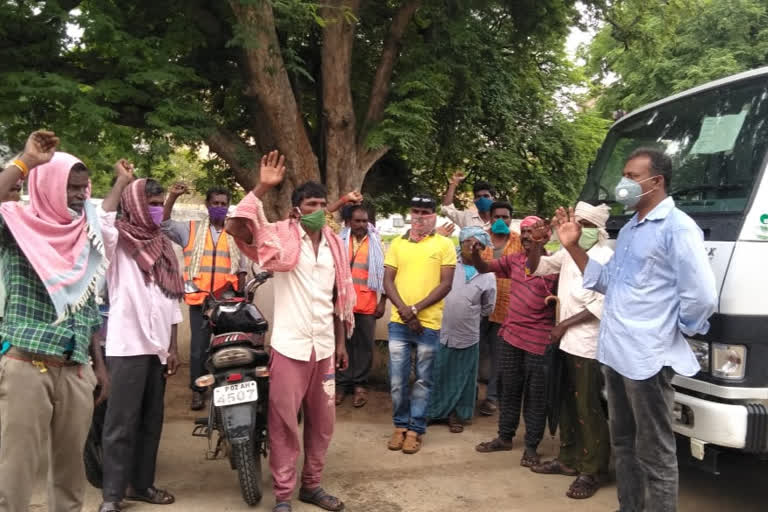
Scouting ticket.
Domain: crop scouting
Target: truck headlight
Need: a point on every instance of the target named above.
(729, 361)
(701, 351)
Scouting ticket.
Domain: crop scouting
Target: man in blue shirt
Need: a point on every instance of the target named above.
(659, 287)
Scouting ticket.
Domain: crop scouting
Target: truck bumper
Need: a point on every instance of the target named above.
(742, 426)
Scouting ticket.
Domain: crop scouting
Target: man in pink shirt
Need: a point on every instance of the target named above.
(145, 287)
(314, 302)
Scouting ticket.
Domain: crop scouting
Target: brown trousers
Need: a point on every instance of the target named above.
(43, 411)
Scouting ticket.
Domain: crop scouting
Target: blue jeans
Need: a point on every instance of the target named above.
(409, 410)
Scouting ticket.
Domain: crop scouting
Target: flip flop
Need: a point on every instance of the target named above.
(497, 445)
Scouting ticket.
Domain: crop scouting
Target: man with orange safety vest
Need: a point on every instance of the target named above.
(212, 261)
(366, 257)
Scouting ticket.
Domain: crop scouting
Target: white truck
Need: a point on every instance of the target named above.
(717, 137)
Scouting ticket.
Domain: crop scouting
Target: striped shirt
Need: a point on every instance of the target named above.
(529, 319)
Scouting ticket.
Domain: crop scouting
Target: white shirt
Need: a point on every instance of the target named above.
(304, 305)
(581, 339)
(140, 314)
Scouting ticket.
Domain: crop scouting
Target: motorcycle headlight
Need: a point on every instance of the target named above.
(729, 361)
(235, 356)
(701, 351)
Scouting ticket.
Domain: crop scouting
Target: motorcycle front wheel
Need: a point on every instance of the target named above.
(248, 462)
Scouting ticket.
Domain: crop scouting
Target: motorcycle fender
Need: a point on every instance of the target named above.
(238, 421)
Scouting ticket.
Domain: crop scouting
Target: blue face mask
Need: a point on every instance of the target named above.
(469, 272)
(500, 227)
(629, 192)
(483, 204)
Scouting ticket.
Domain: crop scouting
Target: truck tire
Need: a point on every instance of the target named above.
(248, 463)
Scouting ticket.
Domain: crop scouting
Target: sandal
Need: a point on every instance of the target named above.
(454, 424)
(110, 506)
(340, 394)
(151, 495)
(497, 445)
(585, 486)
(554, 467)
(361, 397)
(530, 460)
(283, 506)
(412, 443)
(321, 498)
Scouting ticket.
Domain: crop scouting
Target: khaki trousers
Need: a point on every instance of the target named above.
(52, 407)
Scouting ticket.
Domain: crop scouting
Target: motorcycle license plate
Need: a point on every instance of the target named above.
(235, 394)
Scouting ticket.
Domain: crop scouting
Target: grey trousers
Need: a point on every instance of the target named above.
(360, 352)
(133, 424)
(643, 442)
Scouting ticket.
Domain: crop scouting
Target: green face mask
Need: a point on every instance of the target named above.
(314, 221)
(588, 238)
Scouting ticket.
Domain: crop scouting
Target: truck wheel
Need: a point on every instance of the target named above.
(248, 464)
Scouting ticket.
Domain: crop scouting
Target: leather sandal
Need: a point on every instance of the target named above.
(496, 445)
(397, 439)
(360, 398)
(110, 506)
(554, 467)
(412, 443)
(321, 498)
(585, 486)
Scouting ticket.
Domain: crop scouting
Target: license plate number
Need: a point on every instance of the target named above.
(236, 393)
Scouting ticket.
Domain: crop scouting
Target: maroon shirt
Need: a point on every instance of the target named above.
(529, 319)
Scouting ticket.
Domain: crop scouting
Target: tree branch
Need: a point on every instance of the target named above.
(233, 151)
(381, 82)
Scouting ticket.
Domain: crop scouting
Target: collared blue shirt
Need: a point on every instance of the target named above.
(658, 286)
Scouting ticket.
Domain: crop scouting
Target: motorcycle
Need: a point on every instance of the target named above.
(239, 378)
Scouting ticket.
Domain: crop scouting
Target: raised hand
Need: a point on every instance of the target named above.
(40, 147)
(179, 189)
(272, 169)
(353, 197)
(457, 178)
(568, 230)
(446, 229)
(541, 232)
(124, 170)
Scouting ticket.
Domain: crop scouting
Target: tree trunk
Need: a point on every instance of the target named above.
(268, 85)
(341, 170)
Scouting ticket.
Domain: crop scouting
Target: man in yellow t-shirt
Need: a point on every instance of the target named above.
(418, 273)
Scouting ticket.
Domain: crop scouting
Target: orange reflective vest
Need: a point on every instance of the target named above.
(366, 298)
(215, 265)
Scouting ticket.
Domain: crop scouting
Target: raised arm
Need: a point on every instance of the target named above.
(456, 179)
(124, 174)
(540, 236)
(176, 191)
(478, 262)
(39, 149)
(271, 173)
(351, 197)
(569, 232)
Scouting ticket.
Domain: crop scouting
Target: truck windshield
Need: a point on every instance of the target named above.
(717, 141)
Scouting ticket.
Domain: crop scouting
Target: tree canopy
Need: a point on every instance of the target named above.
(649, 50)
(403, 92)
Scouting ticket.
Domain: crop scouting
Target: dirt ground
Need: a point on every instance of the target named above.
(447, 475)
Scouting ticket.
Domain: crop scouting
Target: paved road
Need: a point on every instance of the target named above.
(447, 475)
